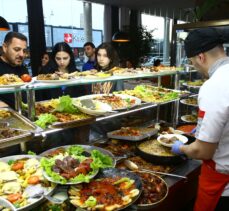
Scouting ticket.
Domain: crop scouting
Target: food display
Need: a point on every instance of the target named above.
(113, 189)
(84, 170)
(22, 182)
(148, 93)
(72, 165)
(154, 190)
(59, 113)
(10, 80)
(132, 133)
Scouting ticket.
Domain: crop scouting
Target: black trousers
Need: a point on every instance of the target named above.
(223, 204)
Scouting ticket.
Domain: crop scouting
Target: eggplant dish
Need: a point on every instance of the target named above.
(154, 189)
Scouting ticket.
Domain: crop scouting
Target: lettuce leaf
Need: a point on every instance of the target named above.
(45, 119)
(65, 105)
(100, 160)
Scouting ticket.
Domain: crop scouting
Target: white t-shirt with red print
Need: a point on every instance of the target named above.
(213, 116)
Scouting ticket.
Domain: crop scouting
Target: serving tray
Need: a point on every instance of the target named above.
(143, 133)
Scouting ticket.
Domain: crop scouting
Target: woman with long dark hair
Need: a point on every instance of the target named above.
(63, 58)
(106, 59)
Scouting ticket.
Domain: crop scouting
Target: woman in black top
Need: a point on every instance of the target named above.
(106, 59)
(63, 62)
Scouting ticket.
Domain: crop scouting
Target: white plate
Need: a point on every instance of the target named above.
(191, 86)
(123, 96)
(181, 138)
(12, 85)
(185, 119)
(92, 77)
(184, 101)
(7, 204)
(55, 81)
(103, 108)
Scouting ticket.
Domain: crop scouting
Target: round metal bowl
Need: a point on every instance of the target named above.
(156, 203)
(87, 149)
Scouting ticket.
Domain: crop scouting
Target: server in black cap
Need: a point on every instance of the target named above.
(204, 47)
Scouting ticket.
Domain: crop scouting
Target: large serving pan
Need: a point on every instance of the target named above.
(16, 122)
(19, 121)
(16, 139)
(68, 124)
(157, 158)
(112, 173)
(124, 135)
(46, 191)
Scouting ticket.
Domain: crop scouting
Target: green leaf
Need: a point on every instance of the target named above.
(45, 119)
(65, 105)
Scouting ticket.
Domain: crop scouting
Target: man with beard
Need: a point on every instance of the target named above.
(11, 61)
(89, 49)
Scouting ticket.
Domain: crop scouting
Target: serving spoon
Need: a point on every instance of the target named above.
(59, 196)
(133, 166)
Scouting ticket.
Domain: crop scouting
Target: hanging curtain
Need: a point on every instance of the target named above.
(36, 33)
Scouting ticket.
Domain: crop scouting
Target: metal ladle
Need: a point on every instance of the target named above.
(133, 166)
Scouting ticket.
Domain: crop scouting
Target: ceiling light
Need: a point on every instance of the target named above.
(4, 26)
(120, 36)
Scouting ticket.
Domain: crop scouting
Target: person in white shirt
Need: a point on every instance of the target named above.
(204, 48)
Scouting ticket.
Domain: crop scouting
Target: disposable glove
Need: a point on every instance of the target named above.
(176, 147)
(193, 130)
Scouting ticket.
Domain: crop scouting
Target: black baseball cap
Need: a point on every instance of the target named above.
(202, 40)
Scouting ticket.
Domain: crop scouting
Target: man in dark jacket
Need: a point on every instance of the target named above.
(11, 61)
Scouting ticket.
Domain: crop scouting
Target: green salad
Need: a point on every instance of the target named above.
(97, 160)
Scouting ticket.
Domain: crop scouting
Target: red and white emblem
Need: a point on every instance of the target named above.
(67, 38)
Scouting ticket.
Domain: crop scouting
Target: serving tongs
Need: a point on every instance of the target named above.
(133, 166)
(90, 104)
